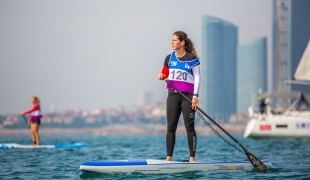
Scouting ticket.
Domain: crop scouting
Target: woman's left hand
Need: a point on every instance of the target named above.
(195, 103)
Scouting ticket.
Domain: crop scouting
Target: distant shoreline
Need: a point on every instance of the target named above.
(123, 129)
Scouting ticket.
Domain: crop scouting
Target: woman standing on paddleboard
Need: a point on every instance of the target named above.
(35, 119)
(182, 69)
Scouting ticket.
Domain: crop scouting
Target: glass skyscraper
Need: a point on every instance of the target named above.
(251, 72)
(291, 33)
(218, 67)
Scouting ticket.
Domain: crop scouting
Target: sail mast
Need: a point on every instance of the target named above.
(280, 44)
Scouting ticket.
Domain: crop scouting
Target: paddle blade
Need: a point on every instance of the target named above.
(256, 162)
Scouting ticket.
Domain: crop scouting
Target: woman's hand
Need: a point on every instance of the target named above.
(160, 76)
(195, 103)
(29, 123)
(21, 113)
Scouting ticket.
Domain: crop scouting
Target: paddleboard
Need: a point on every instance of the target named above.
(152, 166)
(13, 146)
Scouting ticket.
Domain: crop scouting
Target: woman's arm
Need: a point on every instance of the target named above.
(196, 72)
(165, 70)
(35, 107)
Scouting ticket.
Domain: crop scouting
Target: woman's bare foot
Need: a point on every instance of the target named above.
(169, 158)
(192, 159)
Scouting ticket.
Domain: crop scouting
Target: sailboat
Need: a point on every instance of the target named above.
(302, 73)
(290, 122)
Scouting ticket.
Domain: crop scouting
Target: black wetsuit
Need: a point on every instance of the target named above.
(175, 105)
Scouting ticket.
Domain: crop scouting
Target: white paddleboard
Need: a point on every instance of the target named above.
(151, 166)
(13, 146)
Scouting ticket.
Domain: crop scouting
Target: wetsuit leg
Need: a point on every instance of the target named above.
(189, 122)
(173, 111)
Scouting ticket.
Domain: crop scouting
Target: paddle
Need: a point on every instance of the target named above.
(256, 162)
(25, 120)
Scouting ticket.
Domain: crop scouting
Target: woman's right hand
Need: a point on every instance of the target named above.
(160, 76)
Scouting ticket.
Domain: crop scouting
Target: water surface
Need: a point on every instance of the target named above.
(291, 158)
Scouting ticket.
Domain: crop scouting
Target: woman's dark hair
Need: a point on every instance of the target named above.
(189, 45)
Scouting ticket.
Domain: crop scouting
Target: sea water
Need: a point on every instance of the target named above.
(290, 158)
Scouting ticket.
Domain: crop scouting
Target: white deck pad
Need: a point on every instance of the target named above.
(70, 145)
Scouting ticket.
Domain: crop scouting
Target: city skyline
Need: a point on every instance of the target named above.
(88, 55)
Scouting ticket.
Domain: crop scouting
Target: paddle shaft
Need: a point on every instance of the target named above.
(25, 120)
(248, 153)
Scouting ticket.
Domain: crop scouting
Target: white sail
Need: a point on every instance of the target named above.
(303, 69)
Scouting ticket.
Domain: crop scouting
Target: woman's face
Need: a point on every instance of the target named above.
(32, 101)
(176, 43)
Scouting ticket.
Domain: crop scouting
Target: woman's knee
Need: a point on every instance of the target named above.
(34, 130)
(171, 129)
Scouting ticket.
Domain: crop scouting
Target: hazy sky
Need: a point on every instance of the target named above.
(101, 53)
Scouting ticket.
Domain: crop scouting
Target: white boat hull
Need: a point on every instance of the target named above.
(291, 125)
(150, 166)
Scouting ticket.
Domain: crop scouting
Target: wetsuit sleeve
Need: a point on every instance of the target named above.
(196, 72)
(167, 60)
(165, 69)
(35, 107)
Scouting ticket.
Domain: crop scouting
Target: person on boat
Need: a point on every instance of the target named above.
(262, 105)
(182, 69)
(34, 119)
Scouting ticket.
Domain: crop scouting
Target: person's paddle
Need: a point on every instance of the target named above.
(25, 120)
(256, 162)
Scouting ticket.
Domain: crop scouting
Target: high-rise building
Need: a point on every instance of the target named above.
(251, 72)
(145, 97)
(291, 33)
(218, 67)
